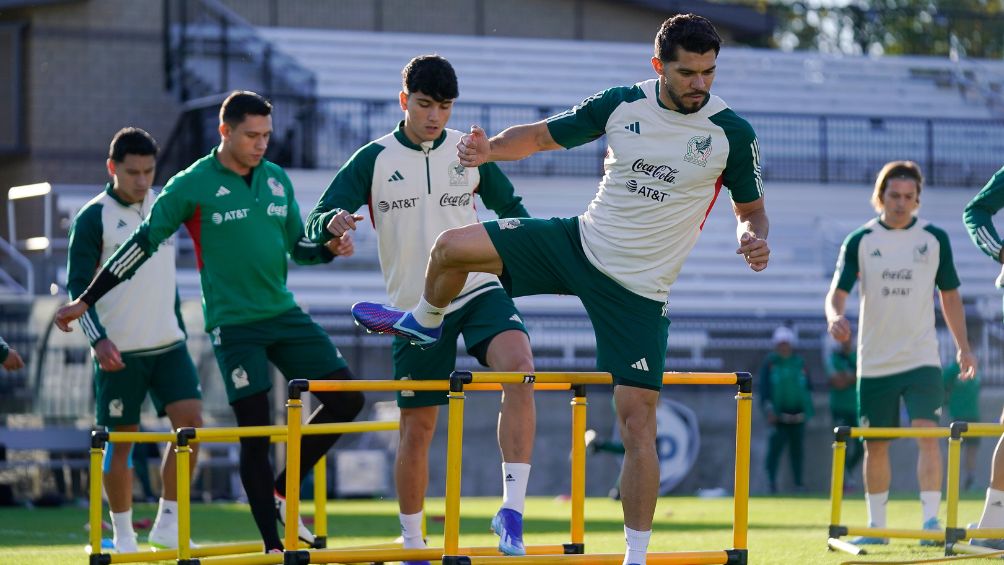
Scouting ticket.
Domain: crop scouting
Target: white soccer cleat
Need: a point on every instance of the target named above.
(166, 537)
(301, 529)
(125, 543)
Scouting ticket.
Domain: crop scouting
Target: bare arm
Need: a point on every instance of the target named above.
(513, 144)
(751, 231)
(955, 318)
(836, 322)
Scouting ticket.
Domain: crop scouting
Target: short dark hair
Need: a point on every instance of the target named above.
(693, 33)
(241, 103)
(432, 75)
(131, 141)
(895, 170)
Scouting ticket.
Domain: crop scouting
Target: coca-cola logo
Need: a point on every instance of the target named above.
(665, 173)
(897, 275)
(455, 200)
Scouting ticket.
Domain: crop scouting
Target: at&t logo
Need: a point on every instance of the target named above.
(385, 206)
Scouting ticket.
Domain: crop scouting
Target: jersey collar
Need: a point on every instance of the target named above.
(890, 228)
(110, 190)
(403, 139)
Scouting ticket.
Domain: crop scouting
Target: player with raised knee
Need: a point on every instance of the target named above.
(899, 260)
(672, 145)
(136, 334)
(420, 189)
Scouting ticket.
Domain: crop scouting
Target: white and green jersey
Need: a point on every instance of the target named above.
(414, 193)
(663, 172)
(898, 270)
(143, 315)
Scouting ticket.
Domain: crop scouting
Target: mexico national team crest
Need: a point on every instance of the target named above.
(240, 377)
(276, 186)
(458, 174)
(698, 150)
(920, 253)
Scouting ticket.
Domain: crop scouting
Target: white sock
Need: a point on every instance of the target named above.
(876, 508)
(122, 524)
(515, 476)
(167, 512)
(993, 509)
(411, 530)
(427, 315)
(637, 546)
(930, 500)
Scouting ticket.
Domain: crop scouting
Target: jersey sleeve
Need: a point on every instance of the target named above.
(946, 278)
(498, 193)
(846, 273)
(979, 213)
(349, 191)
(302, 250)
(742, 175)
(172, 208)
(82, 261)
(588, 120)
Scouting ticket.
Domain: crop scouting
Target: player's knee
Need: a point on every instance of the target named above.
(417, 426)
(446, 250)
(638, 431)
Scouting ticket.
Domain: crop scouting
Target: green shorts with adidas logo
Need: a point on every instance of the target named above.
(545, 257)
(920, 388)
(167, 374)
(481, 319)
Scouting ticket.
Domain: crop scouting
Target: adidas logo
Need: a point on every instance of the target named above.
(222, 191)
(396, 176)
(509, 478)
(121, 224)
(997, 503)
(515, 318)
(635, 127)
(641, 364)
(876, 253)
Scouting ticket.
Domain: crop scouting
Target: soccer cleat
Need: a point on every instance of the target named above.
(376, 317)
(932, 525)
(125, 544)
(414, 563)
(166, 537)
(301, 530)
(869, 540)
(508, 526)
(995, 544)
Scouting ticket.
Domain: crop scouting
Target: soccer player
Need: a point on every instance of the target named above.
(9, 358)
(842, 369)
(136, 334)
(671, 147)
(786, 399)
(978, 218)
(899, 259)
(243, 217)
(421, 190)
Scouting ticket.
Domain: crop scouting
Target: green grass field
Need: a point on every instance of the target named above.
(782, 530)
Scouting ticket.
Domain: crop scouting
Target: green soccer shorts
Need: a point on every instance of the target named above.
(297, 346)
(545, 257)
(920, 388)
(480, 320)
(168, 375)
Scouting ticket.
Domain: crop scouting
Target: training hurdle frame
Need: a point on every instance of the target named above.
(182, 439)
(574, 552)
(841, 435)
(954, 535)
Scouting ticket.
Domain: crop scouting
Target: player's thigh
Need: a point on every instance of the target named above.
(494, 332)
(240, 354)
(538, 256)
(173, 378)
(301, 349)
(924, 393)
(119, 395)
(878, 401)
(631, 333)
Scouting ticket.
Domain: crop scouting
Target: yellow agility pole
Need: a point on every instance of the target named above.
(98, 440)
(320, 502)
(434, 554)
(578, 487)
(677, 558)
(897, 433)
(454, 454)
(182, 457)
(294, 409)
(840, 437)
(393, 386)
(952, 532)
(741, 490)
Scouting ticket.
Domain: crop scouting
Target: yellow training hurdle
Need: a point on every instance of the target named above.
(574, 552)
(182, 438)
(837, 530)
(954, 535)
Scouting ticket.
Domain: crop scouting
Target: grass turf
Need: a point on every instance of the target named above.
(783, 530)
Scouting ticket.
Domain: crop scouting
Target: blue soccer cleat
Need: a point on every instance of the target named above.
(376, 317)
(508, 526)
(869, 540)
(932, 525)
